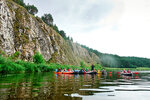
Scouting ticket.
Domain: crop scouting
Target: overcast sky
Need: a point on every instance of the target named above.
(111, 26)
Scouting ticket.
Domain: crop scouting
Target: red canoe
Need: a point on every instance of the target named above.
(63, 72)
(58, 72)
(67, 72)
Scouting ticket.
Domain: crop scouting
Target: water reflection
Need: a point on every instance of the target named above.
(49, 86)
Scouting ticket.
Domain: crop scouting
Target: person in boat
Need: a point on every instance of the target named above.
(94, 70)
(59, 69)
(98, 71)
(87, 70)
(76, 70)
(56, 70)
(81, 71)
(65, 70)
(92, 67)
(104, 72)
(124, 71)
(128, 71)
(68, 70)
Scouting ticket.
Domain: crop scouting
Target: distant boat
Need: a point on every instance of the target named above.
(127, 74)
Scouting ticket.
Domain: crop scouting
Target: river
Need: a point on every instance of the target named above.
(50, 86)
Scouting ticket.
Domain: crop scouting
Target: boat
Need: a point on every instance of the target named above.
(76, 72)
(58, 72)
(91, 72)
(67, 72)
(127, 74)
(80, 72)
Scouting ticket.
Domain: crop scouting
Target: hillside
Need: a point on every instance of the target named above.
(24, 33)
(110, 60)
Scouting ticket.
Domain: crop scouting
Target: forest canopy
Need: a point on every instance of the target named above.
(110, 60)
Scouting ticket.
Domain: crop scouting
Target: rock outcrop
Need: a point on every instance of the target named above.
(24, 33)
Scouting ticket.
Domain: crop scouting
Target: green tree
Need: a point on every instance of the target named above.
(56, 28)
(82, 65)
(31, 9)
(38, 58)
(48, 19)
(20, 2)
(63, 34)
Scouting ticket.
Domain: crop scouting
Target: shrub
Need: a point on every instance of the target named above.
(29, 67)
(44, 67)
(0, 68)
(82, 65)
(38, 58)
(2, 60)
(15, 55)
(98, 66)
(10, 66)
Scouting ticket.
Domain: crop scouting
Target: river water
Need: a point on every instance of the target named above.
(50, 86)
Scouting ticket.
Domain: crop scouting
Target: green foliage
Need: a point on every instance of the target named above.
(98, 66)
(0, 68)
(15, 55)
(44, 67)
(10, 66)
(2, 60)
(38, 58)
(48, 19)
(20, 2)
(30, 8)
(2, 52)
(29, 67)
(110, 60)
(63, 34)
(82, 65)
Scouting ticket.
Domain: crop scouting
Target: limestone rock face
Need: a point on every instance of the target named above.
(20, 31)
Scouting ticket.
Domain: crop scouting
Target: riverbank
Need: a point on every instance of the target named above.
(8, 65)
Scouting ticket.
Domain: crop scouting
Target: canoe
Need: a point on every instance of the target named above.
(58, 72)
(91, 72)
(127, 74)
(75, 72)
(67, 72)
(81, 72)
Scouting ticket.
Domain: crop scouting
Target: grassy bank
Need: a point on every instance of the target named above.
(9, 65)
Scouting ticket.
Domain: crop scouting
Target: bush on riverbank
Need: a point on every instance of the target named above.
(39, 65)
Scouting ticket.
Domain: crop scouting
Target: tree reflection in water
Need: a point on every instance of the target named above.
(49, 86)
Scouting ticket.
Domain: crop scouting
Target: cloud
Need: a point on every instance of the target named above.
(110, 26)
(74, 15)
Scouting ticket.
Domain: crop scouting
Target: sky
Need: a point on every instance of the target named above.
(119, 27)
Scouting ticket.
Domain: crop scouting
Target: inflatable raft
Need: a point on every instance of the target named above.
(75, 72)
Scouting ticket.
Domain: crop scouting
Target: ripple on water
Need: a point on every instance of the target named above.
(96, 90)
(130, 89)
(87, 85)
(118, 83)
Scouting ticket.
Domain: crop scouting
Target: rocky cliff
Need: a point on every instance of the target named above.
(27, 34)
